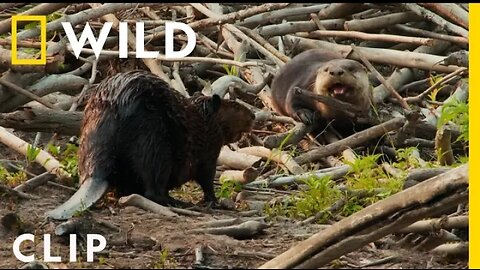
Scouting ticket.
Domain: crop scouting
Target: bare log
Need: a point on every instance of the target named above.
(40, 120)
(451, 11)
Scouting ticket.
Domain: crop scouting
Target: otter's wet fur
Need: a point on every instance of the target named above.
(324, 73)
(140, 136)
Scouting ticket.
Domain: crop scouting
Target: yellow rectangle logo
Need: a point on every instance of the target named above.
(43, 40)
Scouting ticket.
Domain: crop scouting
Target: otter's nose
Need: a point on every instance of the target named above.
(336, 71)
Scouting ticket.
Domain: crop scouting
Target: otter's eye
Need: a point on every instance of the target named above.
(325, 69)
(351, 69)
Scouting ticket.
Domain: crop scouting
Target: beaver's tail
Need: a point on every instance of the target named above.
(91, 190)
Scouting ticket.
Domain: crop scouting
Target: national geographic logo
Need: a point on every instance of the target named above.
(43, 40)
(76, 45)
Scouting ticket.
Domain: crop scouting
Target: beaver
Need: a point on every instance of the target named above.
(140, 136)
(324, 73)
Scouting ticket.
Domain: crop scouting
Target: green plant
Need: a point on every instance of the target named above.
(320, 194)
(165, 261)
(227, 188)
(12, 179)
(456, 112)
(434, 92)
(32, 153)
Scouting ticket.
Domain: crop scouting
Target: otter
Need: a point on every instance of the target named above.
(324, 73)
(140, 136)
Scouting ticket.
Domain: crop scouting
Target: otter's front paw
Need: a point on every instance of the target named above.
(305, 116)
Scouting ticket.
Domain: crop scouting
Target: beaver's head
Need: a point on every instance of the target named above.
(234, 119)
(344, 79)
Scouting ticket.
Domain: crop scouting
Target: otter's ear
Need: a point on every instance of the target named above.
(215, 103)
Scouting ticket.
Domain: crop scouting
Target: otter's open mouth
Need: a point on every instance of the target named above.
(339, 89)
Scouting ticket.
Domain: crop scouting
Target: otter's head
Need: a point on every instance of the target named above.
(234, 119)
(344, 79)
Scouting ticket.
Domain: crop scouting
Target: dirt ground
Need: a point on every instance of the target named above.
(152, 241)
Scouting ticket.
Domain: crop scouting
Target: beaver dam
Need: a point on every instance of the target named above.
(355, 154)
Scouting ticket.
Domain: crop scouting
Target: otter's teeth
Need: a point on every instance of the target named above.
(339, 89)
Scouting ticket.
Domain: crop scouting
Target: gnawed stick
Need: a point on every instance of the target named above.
(241, 176)
(438, 223)
(43, 158)
(452, 249)
(146, 204)
(237, 160)
(443, 146)
(245, 230)
(276, 155)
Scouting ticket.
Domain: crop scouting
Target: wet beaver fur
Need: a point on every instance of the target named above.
(140, 136)
(324, 73)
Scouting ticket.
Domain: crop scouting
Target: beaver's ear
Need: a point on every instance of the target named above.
(215, 103)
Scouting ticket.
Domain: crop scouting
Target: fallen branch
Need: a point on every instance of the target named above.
(32, 119)
(367, 36)
(26, 93)
(146, 204)
(443, 80)
(379, 76)
(381, 56)
(245, 230)
(446, 223)
(429, 198)
(430, 16)
(276, 181)
(12, 192)
(35, 182)
(351, 141)
(425, 33)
